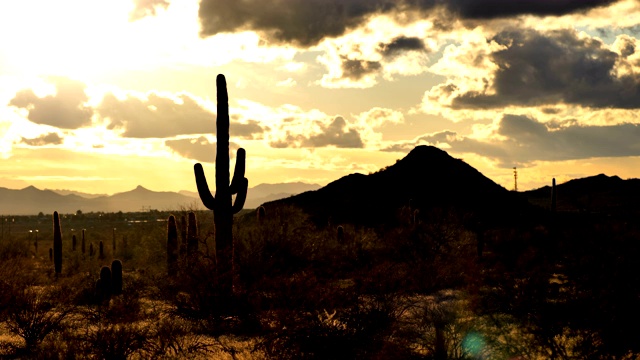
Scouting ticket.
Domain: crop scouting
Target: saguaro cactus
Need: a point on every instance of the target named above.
(103, 285)
(261, 214)
(101, 250)
(172, 246)
(113, 241)
(73, 242)
(82, 246)
(221, 205)
(116, 277)
(192, 237)
(554, 195)
(57, 243)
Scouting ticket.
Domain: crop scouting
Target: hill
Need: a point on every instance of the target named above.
(600, 194)
(427, 177)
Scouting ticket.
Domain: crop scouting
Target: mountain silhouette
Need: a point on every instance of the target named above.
(31, 200)
(427, 178)
(599, 193)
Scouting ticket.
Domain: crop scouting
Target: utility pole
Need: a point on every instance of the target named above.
(515, 179)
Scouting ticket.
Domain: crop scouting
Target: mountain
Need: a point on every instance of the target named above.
(427, 176)
(31, 201)
(599, 193)
(78, 193)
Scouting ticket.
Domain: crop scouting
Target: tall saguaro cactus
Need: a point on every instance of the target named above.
(57, 243)
(221, 204)
(554, 195)
(172, 246)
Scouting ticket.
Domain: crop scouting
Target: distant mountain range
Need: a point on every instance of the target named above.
(31, 201)
(426, 178)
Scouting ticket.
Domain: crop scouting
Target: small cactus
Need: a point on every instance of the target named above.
(113, 244)
(183, 237)
(116, 277)
(192, 236)
(172, 246)
(103, 285)
(74, 242)
(101, 250)
(82, 246)
(57, 243)
(554, 195)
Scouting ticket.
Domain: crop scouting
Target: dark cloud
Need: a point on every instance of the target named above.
(249, 130)
(307, 22)
(337, 134)
(199, 149)
(66, 109)
(487, 9)
(357, 69)
(157, 116)
(144, 8)
(400, 45)
(46, 139)
(556, 67)
(528, 140)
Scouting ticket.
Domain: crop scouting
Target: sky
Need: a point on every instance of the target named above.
(102, 96)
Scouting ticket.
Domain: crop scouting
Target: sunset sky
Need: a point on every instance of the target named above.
(102, 96)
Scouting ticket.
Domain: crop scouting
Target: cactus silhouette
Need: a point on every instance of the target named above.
(340, 234)
(101, 250)
(172, 246)
(113, 244)
(74, 242)
(554, 195)
(192, 238)
(183, 238)
(116, 277)
(223, 209)
(103, 285)
(82, 246)
(57, 243)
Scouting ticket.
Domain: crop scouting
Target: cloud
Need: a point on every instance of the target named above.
(380, 48)
(144, 8)
(199, 149)
(520, 140)
(156, 116)
(307, 22)
(337, 134)
(355, 69)
(66, 109)
(529, 68)
(250, 129)
(402, 44)
(487, 9)
(51, 138)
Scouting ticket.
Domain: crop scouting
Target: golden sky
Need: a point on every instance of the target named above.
(102, 96)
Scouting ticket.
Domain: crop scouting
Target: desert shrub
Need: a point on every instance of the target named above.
(34, 310)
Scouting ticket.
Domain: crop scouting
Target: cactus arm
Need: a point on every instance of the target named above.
(238, 172)
(241, 197)
(203, 188)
